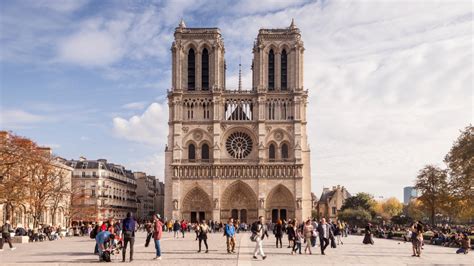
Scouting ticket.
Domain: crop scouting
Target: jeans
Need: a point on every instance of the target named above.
(461, 250)
(324, 243)
(127, 240)
(176, 233)
(278, 239)
(158, 248)
(230, 243)
(205, 243)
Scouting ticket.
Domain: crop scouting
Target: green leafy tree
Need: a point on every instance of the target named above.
(460, 162)
(363, 201)
(357, 217)
(432, 183)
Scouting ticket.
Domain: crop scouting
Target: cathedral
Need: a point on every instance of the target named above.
(239, 153)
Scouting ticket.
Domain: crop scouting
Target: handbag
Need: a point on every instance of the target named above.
(253, 237)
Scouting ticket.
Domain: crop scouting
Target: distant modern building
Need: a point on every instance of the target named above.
(146, 191)
(331, 201)
(102, 190)
(409, 193)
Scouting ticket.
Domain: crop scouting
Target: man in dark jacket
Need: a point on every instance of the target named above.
(325, 233)
(6, 230)
(129, 228)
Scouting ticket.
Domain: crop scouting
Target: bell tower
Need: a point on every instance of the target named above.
(278, 59)
(198, 59)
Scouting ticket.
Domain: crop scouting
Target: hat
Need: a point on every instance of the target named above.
(158, 216)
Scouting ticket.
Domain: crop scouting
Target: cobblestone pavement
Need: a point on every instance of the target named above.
(78, 250)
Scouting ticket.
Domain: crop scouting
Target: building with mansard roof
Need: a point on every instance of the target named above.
(237, 153)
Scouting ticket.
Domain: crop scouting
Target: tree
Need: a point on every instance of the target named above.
(432, 183)
(392, 207)
(16, 155)
(460, 162)
(61, 189)
(415, 209)
(357, 217)
(362, 201)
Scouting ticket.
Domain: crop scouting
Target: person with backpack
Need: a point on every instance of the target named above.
(104, 241)
(129, 227)
(203, 229)
(6, 230)
(184, 227)
(259, 231)
(229, 232)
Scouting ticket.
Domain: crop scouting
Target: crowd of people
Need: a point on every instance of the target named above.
(115, 237)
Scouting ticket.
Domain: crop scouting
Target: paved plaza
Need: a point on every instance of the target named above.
(78, 250)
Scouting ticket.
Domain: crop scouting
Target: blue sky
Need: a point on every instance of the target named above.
(390, 82)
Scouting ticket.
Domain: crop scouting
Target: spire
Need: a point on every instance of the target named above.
(181, 24)
(292, 25)
(240, 75)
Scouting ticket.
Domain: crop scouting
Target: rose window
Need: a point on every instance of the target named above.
(239, 145)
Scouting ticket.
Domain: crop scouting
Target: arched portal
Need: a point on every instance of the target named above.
(239, 201)
(280, 204)
(196, 205)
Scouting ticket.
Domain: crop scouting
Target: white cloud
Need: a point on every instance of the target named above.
(98, 43)
(60, 6)
(149, 128)
(14, 119)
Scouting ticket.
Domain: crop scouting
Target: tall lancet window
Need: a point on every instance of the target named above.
(205, 69)
(284, 71)
(191, 70)
(271, 70)
(191, 152)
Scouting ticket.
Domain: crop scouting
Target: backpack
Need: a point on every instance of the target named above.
(93, 233)
(106, 256)
(254, 228)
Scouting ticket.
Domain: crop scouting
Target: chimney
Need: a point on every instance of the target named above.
(82, 159)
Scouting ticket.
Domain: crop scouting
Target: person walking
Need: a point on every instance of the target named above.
(298, 240)
(203, 229)
(260, 231)
(325, 233)
(368, 238)
(176, 228)
(184, 227)
(291, 232)
(6, 230)
(149, 232)
(338, 231)
(229, 232)
(278, 232)
(157, 233)
(417, 238)
(129, 227)
(308, 233)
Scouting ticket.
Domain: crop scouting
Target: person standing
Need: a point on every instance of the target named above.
(129, 227)
(260, 232)
(278, 232)
(338, 232)
(291, 232)
(229, 232)
(465, 244)
(176, 228)
(158, 232)
(325, 232)
(203, 229)
(6, 230)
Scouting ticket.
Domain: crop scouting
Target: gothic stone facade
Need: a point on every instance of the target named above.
(237, 153)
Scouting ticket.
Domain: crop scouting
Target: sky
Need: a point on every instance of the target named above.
(390, 82)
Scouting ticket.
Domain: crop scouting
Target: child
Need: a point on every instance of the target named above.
(298, 240)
